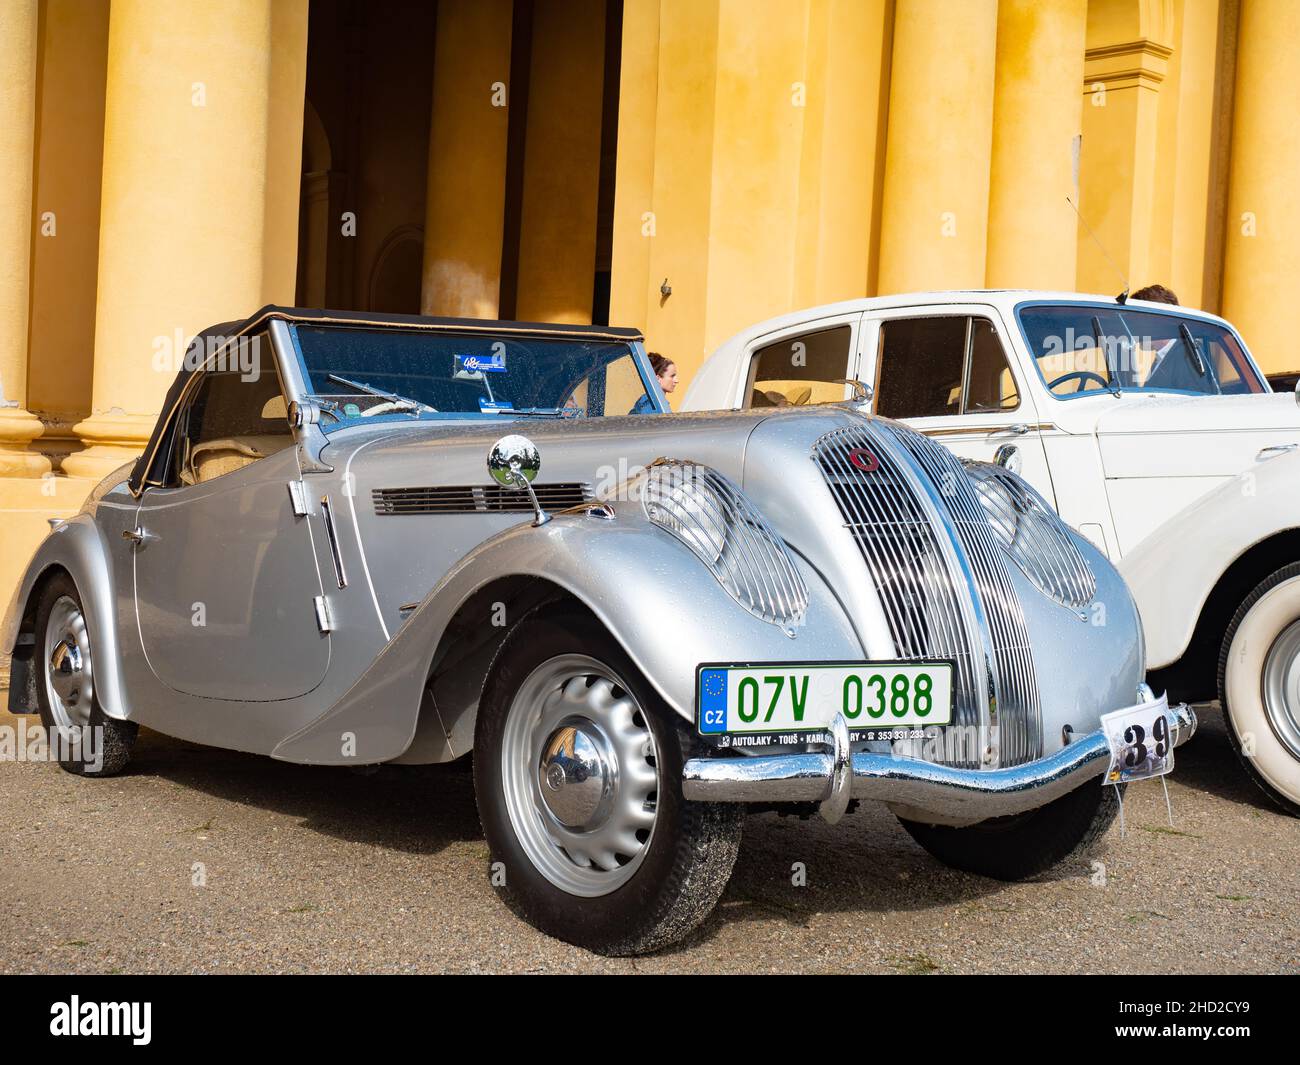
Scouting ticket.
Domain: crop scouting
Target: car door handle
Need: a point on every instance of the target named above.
(137, 535)
(1276, 449)
(1019, 429)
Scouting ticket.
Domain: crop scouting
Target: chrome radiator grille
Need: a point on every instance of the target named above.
(941, 600)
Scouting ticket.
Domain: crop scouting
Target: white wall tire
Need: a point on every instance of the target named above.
(1259, 686)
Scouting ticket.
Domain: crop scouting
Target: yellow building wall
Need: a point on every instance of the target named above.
(749, 163)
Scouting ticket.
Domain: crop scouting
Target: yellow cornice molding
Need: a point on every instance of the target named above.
(1140, 63)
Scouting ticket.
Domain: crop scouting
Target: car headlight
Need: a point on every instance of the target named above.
(1033, 536)
(711, 516)
(680, 499)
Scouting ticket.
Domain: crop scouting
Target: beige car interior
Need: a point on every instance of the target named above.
(206, 460)
(796, 393)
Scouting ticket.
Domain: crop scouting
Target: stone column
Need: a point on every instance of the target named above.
(936, 200)
(1036, 118)
(193, 189)
(465, 209)
(557, 233)
(1261, 278)
(18, 426)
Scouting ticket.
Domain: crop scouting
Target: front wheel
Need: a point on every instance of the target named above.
(1023, 845)
(577, 770)
(1259, 686)
(90, 743)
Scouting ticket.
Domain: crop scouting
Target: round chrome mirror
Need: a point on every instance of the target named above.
(514, 461)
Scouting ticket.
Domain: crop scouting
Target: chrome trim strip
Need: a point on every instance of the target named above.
(985, 430)
(350, 493)
(328, 517)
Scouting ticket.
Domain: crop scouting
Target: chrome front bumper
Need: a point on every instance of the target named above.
(833, 777)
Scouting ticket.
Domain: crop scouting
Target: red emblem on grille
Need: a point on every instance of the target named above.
(864, 460)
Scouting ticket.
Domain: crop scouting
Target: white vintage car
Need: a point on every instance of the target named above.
(1149, 426)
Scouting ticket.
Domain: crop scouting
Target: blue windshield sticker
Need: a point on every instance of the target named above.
(481, 363)
(489, 406)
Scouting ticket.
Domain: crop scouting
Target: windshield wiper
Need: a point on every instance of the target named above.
(1193, 352)
(534, 412)
(400, 402)
(1113, 383)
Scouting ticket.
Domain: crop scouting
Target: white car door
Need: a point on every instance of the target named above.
(946, 371)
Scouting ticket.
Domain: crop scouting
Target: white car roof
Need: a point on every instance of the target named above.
(1004, 298)
(723, 367)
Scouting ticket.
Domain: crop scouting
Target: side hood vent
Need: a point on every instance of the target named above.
(477, 499)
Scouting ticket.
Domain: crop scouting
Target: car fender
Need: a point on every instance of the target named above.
(652, 593)
(78, 546)
(1172, 572)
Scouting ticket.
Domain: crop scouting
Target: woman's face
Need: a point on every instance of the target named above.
(668, 379)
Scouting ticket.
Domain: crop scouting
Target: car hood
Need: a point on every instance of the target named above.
(1193, 436)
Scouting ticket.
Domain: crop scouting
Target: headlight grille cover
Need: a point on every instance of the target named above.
(712, 517)
(1034, 537)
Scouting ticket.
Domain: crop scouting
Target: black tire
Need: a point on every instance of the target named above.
(1243, 708)
(116, 738)
(690, 852)
(1023, 845)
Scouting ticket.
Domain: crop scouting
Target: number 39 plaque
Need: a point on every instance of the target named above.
(1139, 740)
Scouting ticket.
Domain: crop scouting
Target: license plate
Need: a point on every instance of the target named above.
(757, 698)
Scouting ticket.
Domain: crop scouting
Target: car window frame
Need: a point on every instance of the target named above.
(853, 364)
(296, 364)
(1171, 311)
(185, 403)
(872, 334)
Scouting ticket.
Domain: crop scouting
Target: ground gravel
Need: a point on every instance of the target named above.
(199, 860)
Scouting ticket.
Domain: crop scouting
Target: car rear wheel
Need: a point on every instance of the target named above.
(90, 743)
(1023, 845)
(1259, 686)
(577, 770)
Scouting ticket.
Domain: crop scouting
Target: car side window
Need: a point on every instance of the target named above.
(233, 418)
(930, 367)
(799, 370)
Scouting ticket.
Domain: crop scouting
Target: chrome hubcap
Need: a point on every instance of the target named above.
(1281, 684)
(580, 775)
(69, 680)
(576, 775)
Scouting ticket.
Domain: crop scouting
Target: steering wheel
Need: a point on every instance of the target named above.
(1081, 376)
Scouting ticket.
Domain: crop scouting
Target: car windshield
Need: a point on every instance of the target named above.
(1088, 348)
(390, 373)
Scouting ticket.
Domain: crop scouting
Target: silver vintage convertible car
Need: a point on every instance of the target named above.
(337, 549)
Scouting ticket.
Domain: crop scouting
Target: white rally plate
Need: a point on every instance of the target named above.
(787, 698)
